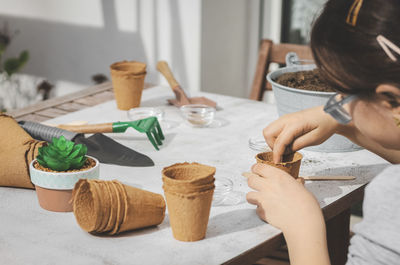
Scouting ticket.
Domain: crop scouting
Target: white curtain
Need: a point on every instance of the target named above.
(303, 14)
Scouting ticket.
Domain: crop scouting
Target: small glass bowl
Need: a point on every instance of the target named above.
(198, 115)
(259, 144)
(223, 186)
(145, 112)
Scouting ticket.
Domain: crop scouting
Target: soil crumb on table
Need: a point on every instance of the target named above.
(306, 80)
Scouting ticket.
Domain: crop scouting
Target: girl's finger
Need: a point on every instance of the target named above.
(260, 212)
(286, 139)
(256, 183)
(253, 198)
(281, 143)
(267, 172)
(311, 138)
(271, 132)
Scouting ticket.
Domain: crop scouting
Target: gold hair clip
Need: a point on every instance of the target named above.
(353, 13)
(397, 121)
(386, 44)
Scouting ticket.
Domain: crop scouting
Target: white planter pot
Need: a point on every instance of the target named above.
(62, 180)
(290, 100)
(54, 189)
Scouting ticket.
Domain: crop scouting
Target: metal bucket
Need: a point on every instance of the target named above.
(290, 100)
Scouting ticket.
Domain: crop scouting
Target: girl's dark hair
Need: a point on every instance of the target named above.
(349, 57)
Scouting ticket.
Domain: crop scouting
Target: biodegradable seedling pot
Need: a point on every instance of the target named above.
(192, 174)
(128, 82)
(189, 214)
(54, 189)
(188, 189)
(290, 163)
(119, 206)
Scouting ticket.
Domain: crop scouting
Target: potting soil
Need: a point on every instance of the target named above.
(306, 80)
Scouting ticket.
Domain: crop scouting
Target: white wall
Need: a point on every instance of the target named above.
(210, 45)
(229, 45)
(72, 40)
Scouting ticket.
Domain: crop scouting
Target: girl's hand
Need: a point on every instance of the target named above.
(295, 131)
(282, 201)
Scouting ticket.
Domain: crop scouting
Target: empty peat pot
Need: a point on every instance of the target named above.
(188, 189)
(290, 163)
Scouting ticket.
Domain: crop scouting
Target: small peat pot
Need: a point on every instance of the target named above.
(54, 188)
(290, 163)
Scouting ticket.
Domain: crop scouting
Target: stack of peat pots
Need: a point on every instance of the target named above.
(112, 207)
(188, 189)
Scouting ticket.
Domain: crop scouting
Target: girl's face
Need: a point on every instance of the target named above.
(379, 118)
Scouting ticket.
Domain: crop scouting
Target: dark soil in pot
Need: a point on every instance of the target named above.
(306, 80)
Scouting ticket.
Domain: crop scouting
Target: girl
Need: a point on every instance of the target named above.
(355, 46)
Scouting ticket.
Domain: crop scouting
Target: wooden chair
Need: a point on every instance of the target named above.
(273, 53)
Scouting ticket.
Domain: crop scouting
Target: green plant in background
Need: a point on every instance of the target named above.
(62, 155)
(13, 64)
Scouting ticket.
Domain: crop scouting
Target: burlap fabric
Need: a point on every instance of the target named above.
(17, 150)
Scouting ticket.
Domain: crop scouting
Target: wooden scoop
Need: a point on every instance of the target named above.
(249, 174)
(181, 97)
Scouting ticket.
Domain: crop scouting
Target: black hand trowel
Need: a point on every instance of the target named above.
(105, 149)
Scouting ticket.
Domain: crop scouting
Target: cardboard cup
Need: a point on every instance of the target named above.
(119, 208)
(128, 67)
(85, 206)
(189, 214)
(113, 206)
(105, 205)
(290, 163)
(188, 173)
(123, 204)
(187, 188)
(144, 208)
(100, 200)
(128, 83)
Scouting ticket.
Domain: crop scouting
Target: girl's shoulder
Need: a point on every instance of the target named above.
(388, 179)
(379, 231)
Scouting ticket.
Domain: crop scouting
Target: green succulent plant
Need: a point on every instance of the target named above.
(62, 155)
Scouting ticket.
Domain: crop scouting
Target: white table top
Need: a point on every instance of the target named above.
(31, 235)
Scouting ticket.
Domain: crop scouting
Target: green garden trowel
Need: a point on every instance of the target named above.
(150, 126)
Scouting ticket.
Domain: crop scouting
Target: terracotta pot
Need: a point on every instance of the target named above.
(54, 200)
(54, 189)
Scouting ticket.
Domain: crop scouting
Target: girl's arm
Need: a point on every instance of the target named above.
(313, 126)
(308, 245)
(286, 204)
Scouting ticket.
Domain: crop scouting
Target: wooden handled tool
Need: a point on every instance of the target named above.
(150, 126)
(249, 174)
(180, 95)
(88, 128)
